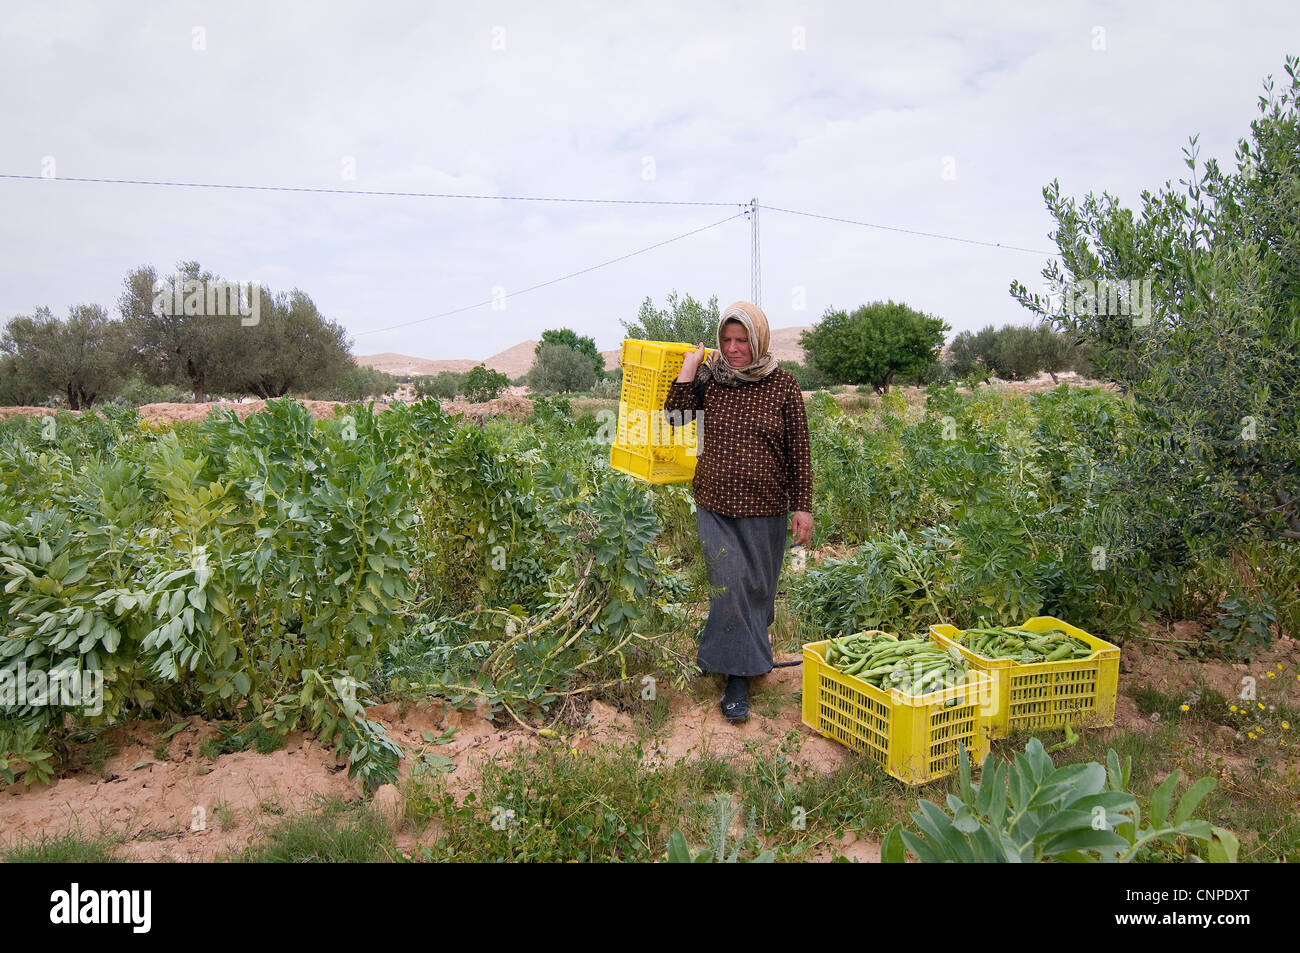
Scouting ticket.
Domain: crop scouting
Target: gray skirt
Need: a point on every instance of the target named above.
(744, 557)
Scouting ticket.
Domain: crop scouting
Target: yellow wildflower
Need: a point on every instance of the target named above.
(1260, 704)
(1184, 707)
(1251, 734)
(1270, 675)
(1286, 725)
(1232, 708)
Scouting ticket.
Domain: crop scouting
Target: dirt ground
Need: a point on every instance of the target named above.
(192, 807)
(511, 405)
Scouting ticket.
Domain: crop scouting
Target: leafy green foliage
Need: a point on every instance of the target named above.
(194, 350)
(89, 356)
(688, 322)
(1212, 359)
(610, 386)
(1029, 810)
(356, 383)
(482, 384)
(719, 835)
(567, 338)
(236, 737)
(992, 506)
(444, 384)
(264, 571)
(873, 344)
(591, 619)
(552, 806)
(1014, 352)
(809, 378)
(292, 347)
(248, 570)
(560, 368)
(1245, 622)
(134, 391)
(21, 754)
(79, 358)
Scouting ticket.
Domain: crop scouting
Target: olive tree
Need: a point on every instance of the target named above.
(688, 321)
(1207, 338)
(561, 369)
(79, 359)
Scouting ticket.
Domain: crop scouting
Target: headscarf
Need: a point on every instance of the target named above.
(761, 363)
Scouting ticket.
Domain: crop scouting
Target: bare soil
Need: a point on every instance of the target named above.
(512, 405)
(191, 807)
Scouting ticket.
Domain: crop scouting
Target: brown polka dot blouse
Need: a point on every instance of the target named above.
(754, 458)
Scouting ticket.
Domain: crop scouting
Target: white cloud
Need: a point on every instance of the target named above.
(855, 125)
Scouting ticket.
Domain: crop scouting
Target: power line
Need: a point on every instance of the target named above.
(511, 198)
(419, 195)
(911, 231)
(575, 274)
(745, 208)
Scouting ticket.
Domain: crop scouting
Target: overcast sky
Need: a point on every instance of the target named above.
(936, 117)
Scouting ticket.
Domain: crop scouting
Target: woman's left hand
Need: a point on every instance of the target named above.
(801, 527)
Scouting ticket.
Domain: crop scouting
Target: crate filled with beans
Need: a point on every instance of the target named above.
(908, 704)
(1047, 673)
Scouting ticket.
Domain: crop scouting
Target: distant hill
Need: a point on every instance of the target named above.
(512, 362)
(515, 361)
(402, 364)
(785, 343)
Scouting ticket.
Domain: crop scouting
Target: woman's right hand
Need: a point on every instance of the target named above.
(691, 363)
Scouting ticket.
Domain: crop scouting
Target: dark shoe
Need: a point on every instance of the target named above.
(735, 702)
(736, 712)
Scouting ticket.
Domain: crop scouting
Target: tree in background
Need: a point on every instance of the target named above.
(1018, 353)
(561, 369)
(1213, 360)
(16, 386)
(198, 350)
(875, 343)
(967, 351)
(132, 390)
(1057, 352)
(1013, 352)
(688, 322)
(482, 384)
(356, 383)
(444, 384)
(809, 378)
(292, 347)
(80, 358)
(584, 345)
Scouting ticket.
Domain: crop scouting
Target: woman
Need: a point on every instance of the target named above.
(754, 467)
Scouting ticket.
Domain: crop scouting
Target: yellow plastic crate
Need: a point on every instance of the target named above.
(1047, 695)
(915, 739)
(645, 446)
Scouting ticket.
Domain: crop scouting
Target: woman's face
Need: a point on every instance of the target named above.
(735, 344)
